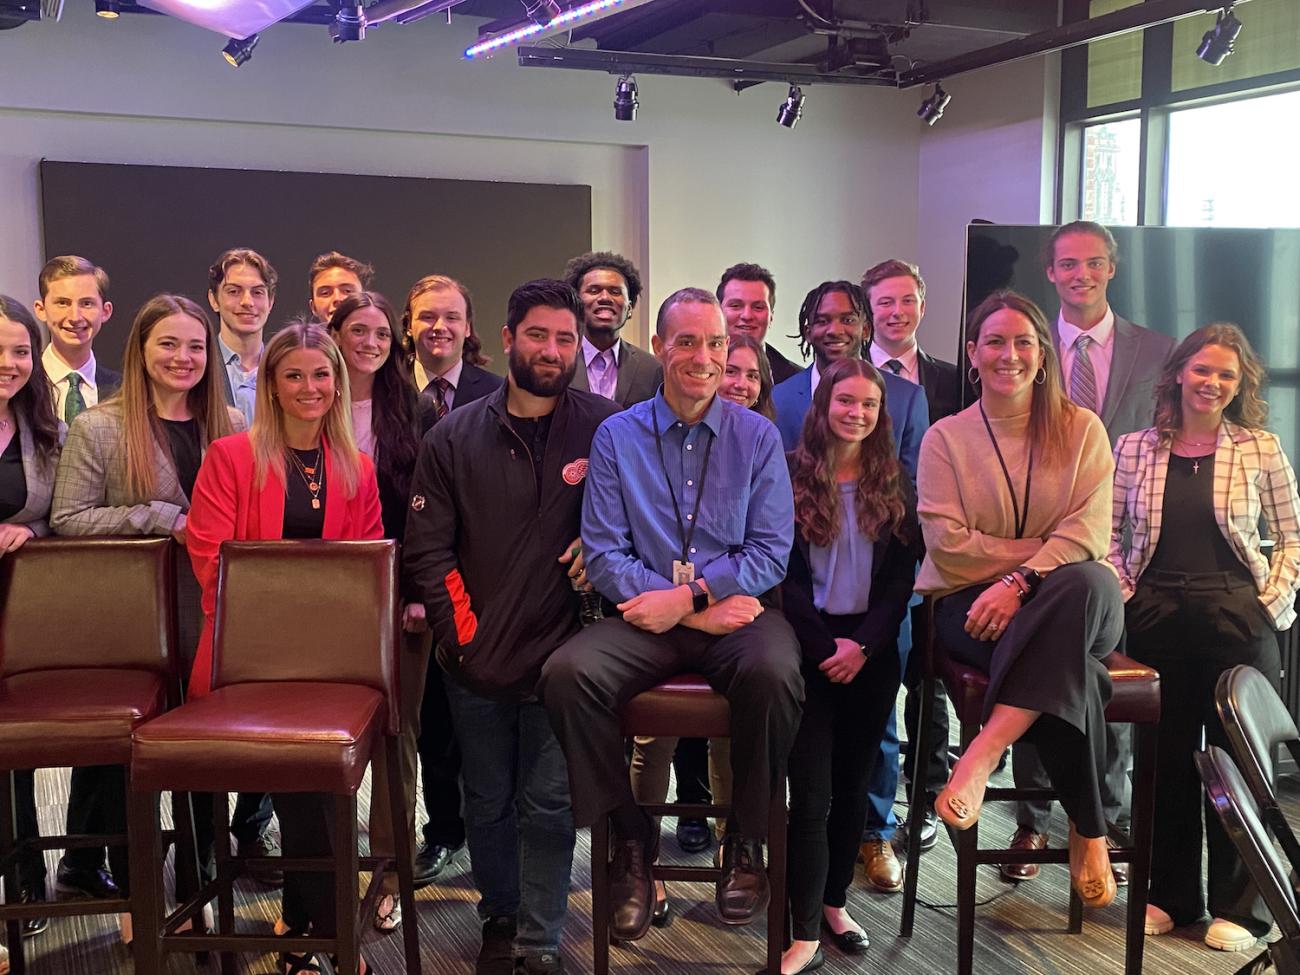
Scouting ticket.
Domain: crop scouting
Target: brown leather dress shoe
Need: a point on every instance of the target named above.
(1023, 839)
(881, 866)
(631, 890)
(742, 889)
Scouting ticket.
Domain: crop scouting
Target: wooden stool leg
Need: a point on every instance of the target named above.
(600, 895)
(9, 844)
(144, 835)
(225, 876)
(1144, 800)
(916, 808)
(398, 803)
(346, 868)
(967, 842)
(776, 864)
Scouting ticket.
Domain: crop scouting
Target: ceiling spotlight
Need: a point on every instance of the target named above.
(108, 9)
(791, 110)
(625, 100)
(1216, 45)
(238, 50)
(349, 23)
(931, 109)
(541, 12)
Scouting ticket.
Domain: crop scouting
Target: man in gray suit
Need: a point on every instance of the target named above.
(1110, 366)
(609, 287)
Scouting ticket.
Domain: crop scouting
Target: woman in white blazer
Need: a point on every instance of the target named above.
(1201, 597)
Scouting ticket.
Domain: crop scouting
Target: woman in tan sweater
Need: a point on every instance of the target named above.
(1015, 495)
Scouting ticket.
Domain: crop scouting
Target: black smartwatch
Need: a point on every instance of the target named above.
(1033, 578)
(699, 598)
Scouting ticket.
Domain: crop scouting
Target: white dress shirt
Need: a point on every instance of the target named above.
(58, 371)
(452, 375)
(1100, 351)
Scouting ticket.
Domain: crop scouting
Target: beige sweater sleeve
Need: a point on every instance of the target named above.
(1083, 532)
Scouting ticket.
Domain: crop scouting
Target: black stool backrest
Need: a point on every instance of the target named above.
(308, 611)
(80, 603)
(1256, 723)
(1235, 806)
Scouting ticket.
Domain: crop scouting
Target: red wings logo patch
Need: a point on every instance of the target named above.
(575, 471)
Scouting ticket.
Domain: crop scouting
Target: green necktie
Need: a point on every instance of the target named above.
(74, 402)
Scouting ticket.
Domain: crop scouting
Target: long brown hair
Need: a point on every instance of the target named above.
(472, 351)
(763, 405)
(142, 430)
(1050, 410)
(34, 403)
(1248, 408)
(267, 432)
(879, 498)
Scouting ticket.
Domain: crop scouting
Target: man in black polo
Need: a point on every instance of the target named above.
(492, 549)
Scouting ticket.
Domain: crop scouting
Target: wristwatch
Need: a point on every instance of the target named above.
(699, 598)
(1033, 578)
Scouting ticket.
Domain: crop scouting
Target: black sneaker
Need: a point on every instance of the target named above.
(543, 963)
(496, 955)
(266, 845)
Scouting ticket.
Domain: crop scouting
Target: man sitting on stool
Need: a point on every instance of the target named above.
(687, 520)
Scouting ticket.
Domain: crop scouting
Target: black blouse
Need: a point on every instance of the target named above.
(13, 481)
(301, 518)
(1190, 539)
(183, 435)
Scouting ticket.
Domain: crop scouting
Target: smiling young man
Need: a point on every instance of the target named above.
(332, 279)
(747, 293)
(499, 600)
(74, 306)
(241, 290)
(447, 355)
(686, 523)
(609, 287)
(833, 324)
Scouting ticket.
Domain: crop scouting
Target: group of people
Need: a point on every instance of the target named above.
(604, 517)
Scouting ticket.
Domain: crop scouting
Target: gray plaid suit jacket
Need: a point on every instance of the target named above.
(39, 475)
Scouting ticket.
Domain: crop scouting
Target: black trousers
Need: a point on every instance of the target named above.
(1050, 660)
(1191, 628)
(830, 765)
(587, 681)
(251, 817)
(691, 766)
(305, 832)
(31, 863)
(439, 765)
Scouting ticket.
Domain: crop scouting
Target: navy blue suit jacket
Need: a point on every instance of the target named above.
(905, 403)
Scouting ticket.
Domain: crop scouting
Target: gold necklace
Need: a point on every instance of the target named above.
(308, 475)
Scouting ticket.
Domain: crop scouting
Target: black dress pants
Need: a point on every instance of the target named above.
(587, 681)
(1192, 627)
(830, 765)
(691, 766)
(305, 832)
(1050, 660)
(439, 765)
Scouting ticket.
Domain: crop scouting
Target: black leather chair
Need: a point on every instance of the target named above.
(1234, 804)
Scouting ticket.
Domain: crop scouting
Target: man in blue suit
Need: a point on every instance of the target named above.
(833, 324)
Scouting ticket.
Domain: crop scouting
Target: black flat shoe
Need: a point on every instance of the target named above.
(849, 942)
(662, 915)
(811, 965)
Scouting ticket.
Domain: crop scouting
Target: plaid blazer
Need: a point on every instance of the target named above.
(39, 476)
(1251, 477)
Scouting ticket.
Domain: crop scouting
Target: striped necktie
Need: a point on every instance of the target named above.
(1083, 380)
(437, 391)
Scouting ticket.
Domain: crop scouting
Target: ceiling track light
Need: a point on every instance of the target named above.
(108, 9)
(791, 110)
(542, 12)
(1217, 42)
(349, 22)
(239, 49)
(564, 20)
(625, 99)
(931, 109)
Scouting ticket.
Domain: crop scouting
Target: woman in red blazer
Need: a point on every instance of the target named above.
(296, 474)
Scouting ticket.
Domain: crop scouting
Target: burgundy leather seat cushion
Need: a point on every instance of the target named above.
(284, 736)
(684, 706)
(75, 716)
(1135, 696)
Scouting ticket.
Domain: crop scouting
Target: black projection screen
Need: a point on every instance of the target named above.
(158, 228)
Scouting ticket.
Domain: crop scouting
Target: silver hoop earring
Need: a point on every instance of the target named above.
(1040, 377)
(973, 376)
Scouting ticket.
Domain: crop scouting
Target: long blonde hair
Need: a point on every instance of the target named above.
(142, 430)
(267, 432)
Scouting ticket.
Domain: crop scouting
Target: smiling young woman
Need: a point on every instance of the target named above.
(1202, 597)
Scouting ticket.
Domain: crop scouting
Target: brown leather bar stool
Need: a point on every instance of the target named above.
(686, 707)
(1135, 700)
(304, 693)
(87, 638)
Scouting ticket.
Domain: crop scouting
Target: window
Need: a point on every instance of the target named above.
(1111, 154)
(1230, 164)
(1269, 42)
(1114, 64)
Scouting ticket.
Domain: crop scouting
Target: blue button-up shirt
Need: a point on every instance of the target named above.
(243, 385)
(746, 515)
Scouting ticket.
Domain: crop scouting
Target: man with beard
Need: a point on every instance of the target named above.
(500, 598)
(687, 522)
(609, 286)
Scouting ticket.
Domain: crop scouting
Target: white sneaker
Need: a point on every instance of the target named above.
(1226, 936)
(1158, 922)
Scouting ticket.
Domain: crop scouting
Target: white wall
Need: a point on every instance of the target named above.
(704, 178)
(993, 157)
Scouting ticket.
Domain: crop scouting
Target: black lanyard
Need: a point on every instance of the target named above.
(683, 532)
(1021, 517)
